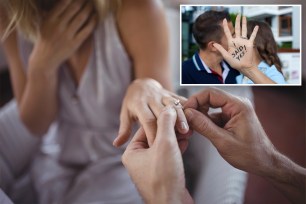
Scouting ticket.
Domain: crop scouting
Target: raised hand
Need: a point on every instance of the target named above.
(240, 49)
(63, 30)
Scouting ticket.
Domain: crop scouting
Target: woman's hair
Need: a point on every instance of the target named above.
(26, 14)
(265, 43)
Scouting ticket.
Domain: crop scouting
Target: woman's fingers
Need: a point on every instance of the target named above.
(181, 121)
(71, 11)
(237, 26)
(59, 8)
(244, 27)
(124, 128)
(227, 30)
(81, 18)
(87, 29)
(254, 33)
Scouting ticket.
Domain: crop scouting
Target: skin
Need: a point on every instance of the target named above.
(158, 180)
(242, 59)
(64, 39)
(148, 63)
(236, 133)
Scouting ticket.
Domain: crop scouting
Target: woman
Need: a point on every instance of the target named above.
(82, 57)
(265, 56)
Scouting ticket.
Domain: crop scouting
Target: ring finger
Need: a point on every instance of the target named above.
(244, 27)
(181, 121)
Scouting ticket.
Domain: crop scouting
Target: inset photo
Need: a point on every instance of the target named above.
(240, 45)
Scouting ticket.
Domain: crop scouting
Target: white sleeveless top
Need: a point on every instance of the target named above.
(77, 162)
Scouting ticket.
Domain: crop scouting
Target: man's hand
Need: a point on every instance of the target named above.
(236, 131)
(240, 139)
(158, 171)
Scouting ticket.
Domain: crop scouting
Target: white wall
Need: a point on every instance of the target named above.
(296, 27)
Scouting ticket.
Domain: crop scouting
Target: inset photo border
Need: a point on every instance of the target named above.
(265, 50)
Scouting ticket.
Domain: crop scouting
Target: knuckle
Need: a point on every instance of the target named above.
(246, 104)
(149, 119)
(202, 125)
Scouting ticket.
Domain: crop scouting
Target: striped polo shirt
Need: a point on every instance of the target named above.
(195, 71)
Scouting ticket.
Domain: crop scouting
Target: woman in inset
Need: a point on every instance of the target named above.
(265, 55)
(70, 75)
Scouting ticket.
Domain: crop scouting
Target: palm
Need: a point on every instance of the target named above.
(240, 49)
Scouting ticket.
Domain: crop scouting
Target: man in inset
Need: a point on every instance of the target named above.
(207, 66)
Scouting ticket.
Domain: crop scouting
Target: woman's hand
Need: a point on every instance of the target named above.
(240, 52)
(144, 101)
(62, 31)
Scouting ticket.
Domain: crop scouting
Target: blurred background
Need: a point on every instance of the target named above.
(285, 23)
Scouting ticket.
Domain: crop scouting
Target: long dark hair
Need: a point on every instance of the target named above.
(265, 43)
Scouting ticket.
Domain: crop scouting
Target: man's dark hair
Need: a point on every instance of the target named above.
(207, 27)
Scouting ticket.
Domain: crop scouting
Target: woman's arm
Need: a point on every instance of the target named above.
(143, 29)
(257, 76)
(17, 73)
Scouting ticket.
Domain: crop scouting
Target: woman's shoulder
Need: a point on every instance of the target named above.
(272, 72)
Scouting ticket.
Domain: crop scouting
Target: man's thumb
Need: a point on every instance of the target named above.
(203, 125)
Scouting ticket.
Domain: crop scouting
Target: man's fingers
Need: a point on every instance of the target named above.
(214, 98)
(203, 125)
(254, 33)
(227, 31)
(165, 126)
(244, 27)
(148, 121)
(237, 26)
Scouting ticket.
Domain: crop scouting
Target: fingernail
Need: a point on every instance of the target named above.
(184, 126)
(115, 142)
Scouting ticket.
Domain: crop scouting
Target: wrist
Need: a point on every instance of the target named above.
(249, 72)
(38, 68)
(148, 81)
(42, 56)
(164, 195)
(283, 170)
